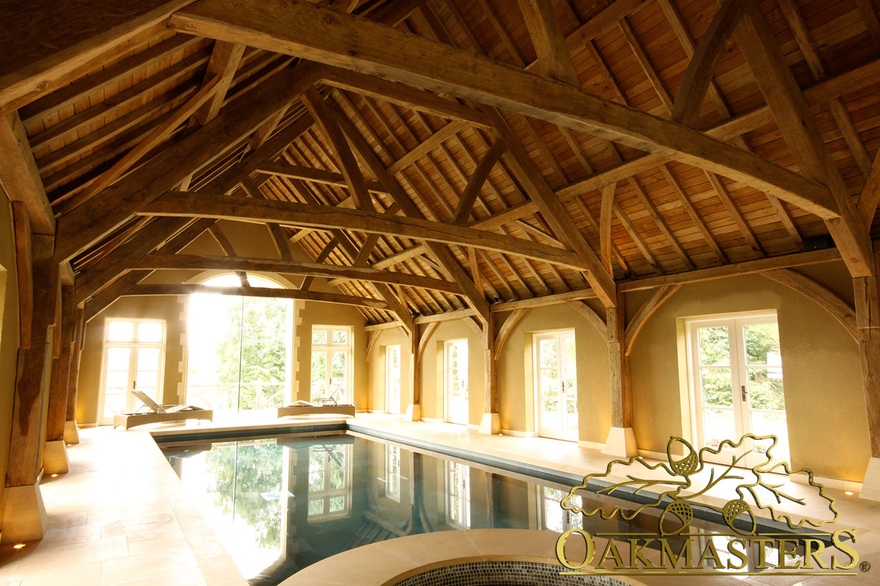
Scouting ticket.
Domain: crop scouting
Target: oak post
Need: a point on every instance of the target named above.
(414, 410)
(621, 441)
(71, 431)
(24, 516)
(867, 301)
(491, 423)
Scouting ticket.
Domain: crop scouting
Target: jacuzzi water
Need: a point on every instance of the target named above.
(281, 504)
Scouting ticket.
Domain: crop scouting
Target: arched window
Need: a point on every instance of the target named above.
(238, 348)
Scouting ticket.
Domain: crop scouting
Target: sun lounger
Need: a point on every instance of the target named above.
(306, 408)
(160, 413)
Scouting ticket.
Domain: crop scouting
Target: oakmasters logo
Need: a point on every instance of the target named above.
(748, 481)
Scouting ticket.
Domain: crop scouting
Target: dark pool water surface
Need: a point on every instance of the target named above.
(281, 504)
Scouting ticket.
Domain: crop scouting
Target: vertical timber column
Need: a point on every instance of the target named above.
(621, 442)
(55, 459)
(71, 431)
(867, 297)
(24, 516)
(491, 423)
(414, 410)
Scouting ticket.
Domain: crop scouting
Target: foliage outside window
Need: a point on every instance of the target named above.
(238, 349)
(331, 364)
(737, 373)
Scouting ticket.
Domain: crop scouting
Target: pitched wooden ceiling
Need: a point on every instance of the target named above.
(477, 155)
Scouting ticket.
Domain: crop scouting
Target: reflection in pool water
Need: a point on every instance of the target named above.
(281, 504)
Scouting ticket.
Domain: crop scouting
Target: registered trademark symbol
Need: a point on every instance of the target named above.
(865, 567)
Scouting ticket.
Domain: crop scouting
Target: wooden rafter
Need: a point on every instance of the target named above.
(317, 33)
(19, 175)
(344, 158)
(798, 126)
(269, 292)
(99, 216)
(225, 59)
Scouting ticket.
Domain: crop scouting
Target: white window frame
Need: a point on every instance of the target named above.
(133, 345)
(327, 493)
(560, 335)
(452, 372)
(458, 482)
(569, 519)
(392, 379)
(734, 322)
(329, 349)
(393, 477)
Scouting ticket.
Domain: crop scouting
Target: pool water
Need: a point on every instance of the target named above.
(281, 504)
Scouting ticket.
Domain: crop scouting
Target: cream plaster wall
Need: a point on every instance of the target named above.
(8, 335)
(433, 400)
(825, 403)
(309, 314)
(164, 308)
(516, 379)
(377, 375)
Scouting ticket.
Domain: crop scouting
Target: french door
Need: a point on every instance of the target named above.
(331, 364)
(456, 380)
(556, 384)
(392, 379)
(133, 353)
(737, 380)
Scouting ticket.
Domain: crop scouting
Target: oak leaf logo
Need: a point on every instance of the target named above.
(683, 480)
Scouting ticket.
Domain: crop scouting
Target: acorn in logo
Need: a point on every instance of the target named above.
(687, 465)
(677, 515)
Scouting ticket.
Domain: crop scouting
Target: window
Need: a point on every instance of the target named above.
(392, 472)
(736, 380)
(392, 379)
(238, 348)
(456, 381)
(329, 482)
(556, 384)
(134, 352)
(458, 494)
(553, 516)
(331, 364)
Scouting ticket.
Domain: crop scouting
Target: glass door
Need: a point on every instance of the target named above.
(456, 360)
(556, 384)
(737, 374)
(133, 351)
(392, 379)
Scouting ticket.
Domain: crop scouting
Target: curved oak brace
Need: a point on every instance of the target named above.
(594, 318)
(507, 328)
(829, 301)
(657, 299)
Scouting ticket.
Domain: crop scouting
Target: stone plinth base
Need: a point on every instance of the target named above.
(55, 459)
(621, 443)
(491, 424)
(71, 433)
(871, 485)
(24, 516)
(413, 412)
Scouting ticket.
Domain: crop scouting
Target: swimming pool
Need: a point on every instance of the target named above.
(281, 504)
